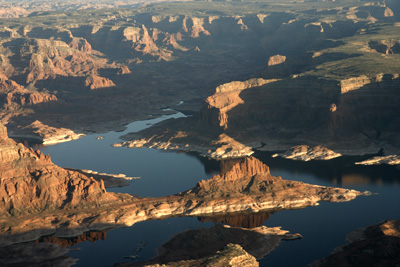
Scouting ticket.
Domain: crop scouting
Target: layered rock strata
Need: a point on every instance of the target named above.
(45, 134)
(31, 183)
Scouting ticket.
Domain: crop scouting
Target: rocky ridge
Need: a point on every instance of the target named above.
(30, 182)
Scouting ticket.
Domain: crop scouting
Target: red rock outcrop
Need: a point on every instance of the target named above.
(235, 181)
(31, 183)
(250, 177)
(227, 96)
(12, 94)
(97, 82)
(80, 44)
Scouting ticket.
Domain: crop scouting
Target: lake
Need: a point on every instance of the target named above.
(163, 173)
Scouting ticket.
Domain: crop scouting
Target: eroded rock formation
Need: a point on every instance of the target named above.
(30, 182)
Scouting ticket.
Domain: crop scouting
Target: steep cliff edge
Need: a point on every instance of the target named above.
(31, 183)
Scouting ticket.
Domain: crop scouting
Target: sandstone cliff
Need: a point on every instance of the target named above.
(14, 95)
(31, 183)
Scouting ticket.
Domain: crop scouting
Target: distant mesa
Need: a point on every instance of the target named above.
(97, 82)
(276, 60)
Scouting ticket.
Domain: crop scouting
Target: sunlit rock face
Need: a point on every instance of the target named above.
(31, 183)
(376, 245)
(250, 177)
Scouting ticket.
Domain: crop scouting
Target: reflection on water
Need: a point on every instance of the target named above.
(34, 254)
(91, 236)
(244, 220)
(199, 243)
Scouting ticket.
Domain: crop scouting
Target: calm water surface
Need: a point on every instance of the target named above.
(164, 173)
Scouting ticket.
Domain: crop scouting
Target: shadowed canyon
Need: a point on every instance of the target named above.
(229, 127)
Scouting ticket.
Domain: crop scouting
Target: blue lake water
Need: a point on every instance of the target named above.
(323, 227)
